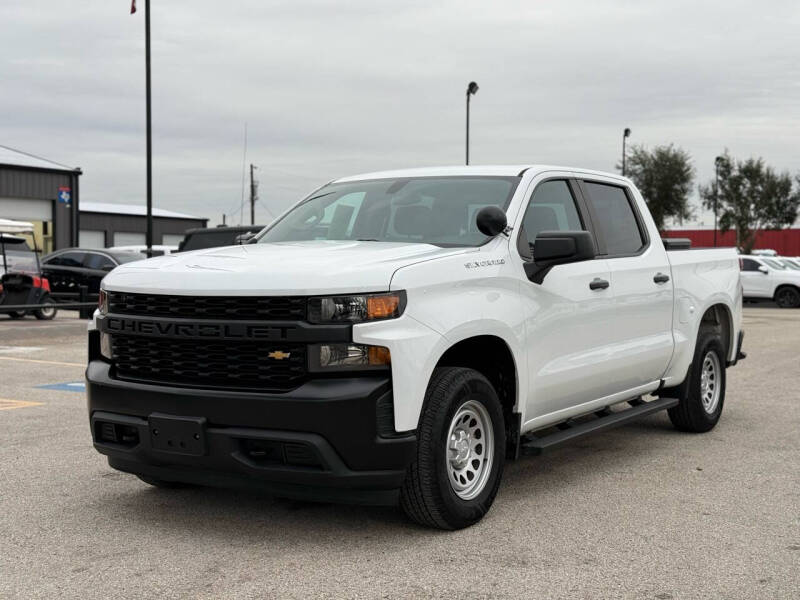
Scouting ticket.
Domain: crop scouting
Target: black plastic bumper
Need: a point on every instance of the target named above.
(322, 441)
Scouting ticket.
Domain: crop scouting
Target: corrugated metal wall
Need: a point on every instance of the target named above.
(111, 223)
(21, 184)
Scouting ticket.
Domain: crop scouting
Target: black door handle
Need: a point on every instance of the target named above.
(598, 284)
(661, 278)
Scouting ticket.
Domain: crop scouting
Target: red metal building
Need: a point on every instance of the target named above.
(785, 242)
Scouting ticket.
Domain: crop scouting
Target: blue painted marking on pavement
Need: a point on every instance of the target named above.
(73, 386)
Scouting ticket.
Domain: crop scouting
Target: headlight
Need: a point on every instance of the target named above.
(356, 308)
(102, 302)
(348, 357)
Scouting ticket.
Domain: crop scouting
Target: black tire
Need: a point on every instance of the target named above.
(16, 314)
(161, 483)
(690, 414)
(787, 297)
(427, 496)
(46, 314)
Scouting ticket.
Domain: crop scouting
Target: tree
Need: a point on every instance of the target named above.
(752, 198)
(665, 177)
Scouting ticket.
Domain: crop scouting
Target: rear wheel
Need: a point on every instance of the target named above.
(459, 463)
(16, 314)
(787, 297)
(702, 394)
(48, 311)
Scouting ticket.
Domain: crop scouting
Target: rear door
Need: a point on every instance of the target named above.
(756, 283)
(639, 329)
(97, 266)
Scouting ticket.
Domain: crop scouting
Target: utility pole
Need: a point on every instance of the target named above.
(253, 195)
(149, 234)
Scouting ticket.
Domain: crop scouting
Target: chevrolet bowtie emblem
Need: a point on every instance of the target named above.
(279, 355)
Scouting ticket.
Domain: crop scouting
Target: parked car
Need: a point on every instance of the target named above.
(158, 249)
(21, 280)
(397, 336)
(791, 263)
(70, 268)
(216, 237)
(769, 278)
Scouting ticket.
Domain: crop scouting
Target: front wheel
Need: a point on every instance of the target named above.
(787, 297)
(702, 394)
(16, 314)
(460, 451)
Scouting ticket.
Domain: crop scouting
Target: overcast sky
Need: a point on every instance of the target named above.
(332, 88)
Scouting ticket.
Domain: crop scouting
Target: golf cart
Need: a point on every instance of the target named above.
(21, 282)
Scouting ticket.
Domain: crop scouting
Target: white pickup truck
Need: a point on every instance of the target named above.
(397, 336)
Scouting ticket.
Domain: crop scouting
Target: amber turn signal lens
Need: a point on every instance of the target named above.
(378, 356)
(383, 307)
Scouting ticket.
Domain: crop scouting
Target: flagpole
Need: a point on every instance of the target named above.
(149, 234)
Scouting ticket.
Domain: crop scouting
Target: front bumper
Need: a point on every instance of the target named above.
(329, 439)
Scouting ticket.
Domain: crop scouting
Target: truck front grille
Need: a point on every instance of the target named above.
(215, 364)
(256, 308)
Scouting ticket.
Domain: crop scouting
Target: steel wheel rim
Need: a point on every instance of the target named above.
(47, 310)
(710, 383)
(469, 452)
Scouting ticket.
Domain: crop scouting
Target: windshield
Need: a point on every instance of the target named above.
(126, 257)
(20, 261)
(791, 264)
(421, 210)
(775, 264)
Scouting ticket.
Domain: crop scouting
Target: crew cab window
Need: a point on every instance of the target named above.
(98, 261)
(67, 259)
(748, 264)
(615, 218)
(552, 208)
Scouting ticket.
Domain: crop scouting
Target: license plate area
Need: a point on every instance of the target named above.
(178, 435)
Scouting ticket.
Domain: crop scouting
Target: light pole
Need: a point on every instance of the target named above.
(625, 134)
(472, 89)
(717, 163)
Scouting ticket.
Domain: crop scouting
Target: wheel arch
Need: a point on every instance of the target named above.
(719, 315)
(491, 356)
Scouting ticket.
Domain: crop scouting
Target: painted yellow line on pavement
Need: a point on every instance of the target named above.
(6, 404)
(44, 362)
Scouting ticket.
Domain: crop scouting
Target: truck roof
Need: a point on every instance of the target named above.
(474, 170)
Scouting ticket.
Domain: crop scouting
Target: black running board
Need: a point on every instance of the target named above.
(607, 420)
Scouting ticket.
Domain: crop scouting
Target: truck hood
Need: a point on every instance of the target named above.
(285, 268)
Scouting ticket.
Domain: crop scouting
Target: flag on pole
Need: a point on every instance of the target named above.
(133, 6)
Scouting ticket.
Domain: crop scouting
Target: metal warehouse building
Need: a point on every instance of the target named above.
(46, 193)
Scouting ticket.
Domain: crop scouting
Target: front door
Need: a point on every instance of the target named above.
(565, 313)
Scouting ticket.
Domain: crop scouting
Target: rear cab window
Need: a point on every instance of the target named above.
(616, 220)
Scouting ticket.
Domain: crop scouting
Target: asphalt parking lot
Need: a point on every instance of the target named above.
(638, 512)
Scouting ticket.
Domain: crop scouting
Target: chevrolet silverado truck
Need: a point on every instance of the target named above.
(396, 337)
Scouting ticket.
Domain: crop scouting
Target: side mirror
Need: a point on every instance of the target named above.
(244, 238)
(491, 221)
(553, 248)
(763, 269)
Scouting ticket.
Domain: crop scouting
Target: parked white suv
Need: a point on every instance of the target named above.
(769, 278)
(397, 336)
